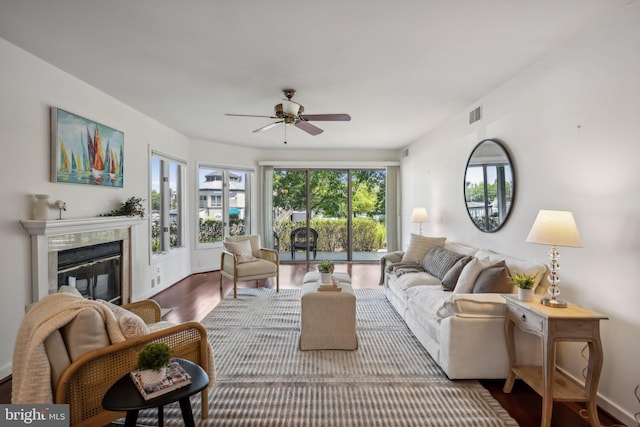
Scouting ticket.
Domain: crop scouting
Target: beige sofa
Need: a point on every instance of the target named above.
(463, 331)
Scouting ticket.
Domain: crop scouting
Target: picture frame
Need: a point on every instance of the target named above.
(84, 151)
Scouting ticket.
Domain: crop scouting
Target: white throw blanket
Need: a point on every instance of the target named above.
(31, 376)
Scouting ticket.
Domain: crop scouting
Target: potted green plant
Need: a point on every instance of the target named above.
(525, 283)
(152, 362)
(325, 268)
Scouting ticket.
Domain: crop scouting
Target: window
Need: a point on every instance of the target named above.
(167, 203)
(224, 203)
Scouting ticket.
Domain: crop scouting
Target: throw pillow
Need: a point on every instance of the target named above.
(419, 246)
(450, 279)
(494, 279)
(438, 261)
(241, 249)
(469, 275)
(131, 325)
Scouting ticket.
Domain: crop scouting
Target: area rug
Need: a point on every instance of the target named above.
(263, 379)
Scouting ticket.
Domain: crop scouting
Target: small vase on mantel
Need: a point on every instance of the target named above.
(41, 208)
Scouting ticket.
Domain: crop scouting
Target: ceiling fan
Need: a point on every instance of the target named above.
(292, 113)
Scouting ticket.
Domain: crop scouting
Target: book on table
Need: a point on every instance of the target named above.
(175, 378)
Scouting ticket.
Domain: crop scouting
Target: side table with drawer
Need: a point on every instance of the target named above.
(552, 325)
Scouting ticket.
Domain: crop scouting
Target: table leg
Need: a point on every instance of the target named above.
(593, 375)
(511, 351)
(548, 370)
(160, 416)
(187, 415)
(131, 418)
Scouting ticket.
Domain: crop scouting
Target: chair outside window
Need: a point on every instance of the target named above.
(260, 263)
(304, 237)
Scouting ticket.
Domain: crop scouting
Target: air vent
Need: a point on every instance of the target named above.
(475, 115)
(405, 153)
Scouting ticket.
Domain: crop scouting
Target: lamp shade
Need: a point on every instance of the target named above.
(419, 215)
(556, 228)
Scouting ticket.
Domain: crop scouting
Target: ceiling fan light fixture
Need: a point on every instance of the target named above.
(290, 108)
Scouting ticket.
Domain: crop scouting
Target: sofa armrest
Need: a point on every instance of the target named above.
(148, 310)
(84, 383)
(473, 305)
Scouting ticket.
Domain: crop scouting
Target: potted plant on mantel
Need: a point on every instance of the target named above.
(525, 283)
(325, 268)
(152, 362)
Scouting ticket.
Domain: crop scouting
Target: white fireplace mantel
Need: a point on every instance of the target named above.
(51, 236)
(53, 227)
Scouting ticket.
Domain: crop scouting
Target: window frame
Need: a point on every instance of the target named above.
(166, 163)
(223, 200)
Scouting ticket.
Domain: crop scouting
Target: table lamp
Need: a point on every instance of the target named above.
(555, 228)
(419, 215)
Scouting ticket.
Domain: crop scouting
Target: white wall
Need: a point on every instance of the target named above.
(571, 123)
(28, 88)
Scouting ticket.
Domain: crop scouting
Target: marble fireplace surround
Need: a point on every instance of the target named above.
(48, 237)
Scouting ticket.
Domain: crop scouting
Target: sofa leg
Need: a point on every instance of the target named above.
(235, 288)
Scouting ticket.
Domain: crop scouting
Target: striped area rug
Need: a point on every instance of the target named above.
(262, 379)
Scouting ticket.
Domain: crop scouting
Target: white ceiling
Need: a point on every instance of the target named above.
(397, 67)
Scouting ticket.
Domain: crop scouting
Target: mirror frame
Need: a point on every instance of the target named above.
(485, 228)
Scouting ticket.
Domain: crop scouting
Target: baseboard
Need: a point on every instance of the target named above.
(606, 405)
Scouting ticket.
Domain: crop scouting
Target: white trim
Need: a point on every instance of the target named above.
(322, 164)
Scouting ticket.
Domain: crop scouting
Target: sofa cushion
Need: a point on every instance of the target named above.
(411, 280)
(450, 279)
(86, 332)
(494, 279)
(460, 248)
(438, 261)
(419, 246)
(241, 249)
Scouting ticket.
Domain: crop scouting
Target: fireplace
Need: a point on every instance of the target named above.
(94, 254)
(93, 270)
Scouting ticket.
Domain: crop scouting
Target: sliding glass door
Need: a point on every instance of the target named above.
(329, 214)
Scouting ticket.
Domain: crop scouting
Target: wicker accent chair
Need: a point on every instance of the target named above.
(85, 382)
(82, 380)
(259, 263)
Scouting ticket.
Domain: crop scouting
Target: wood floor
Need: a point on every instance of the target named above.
(195, 296)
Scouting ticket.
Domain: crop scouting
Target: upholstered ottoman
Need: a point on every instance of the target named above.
(314, 277)
(327, 319)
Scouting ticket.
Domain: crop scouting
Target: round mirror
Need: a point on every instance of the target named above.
(489, 185)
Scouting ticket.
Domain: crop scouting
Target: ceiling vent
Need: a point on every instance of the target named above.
(475, 115)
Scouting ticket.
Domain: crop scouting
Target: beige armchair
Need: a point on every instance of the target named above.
(241, 264)
(80, 378)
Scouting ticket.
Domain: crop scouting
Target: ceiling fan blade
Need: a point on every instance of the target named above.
(326, 117)
(309, 128)
(269, 126)
(250, 115)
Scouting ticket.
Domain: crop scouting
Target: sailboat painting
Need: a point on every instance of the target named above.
(84, 151)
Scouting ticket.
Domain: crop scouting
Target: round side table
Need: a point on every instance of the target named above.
(124, 396)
